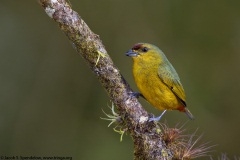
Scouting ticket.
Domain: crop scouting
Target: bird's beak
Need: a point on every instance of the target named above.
(131, 53)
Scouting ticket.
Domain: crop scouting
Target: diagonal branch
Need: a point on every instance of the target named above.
(148, 142)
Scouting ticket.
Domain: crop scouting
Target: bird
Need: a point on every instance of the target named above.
(157, 80)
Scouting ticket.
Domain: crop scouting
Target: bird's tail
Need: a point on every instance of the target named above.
(189, 114)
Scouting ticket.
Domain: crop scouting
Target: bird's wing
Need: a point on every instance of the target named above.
(170, 78)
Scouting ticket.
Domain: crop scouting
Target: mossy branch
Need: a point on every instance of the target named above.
(147, 136)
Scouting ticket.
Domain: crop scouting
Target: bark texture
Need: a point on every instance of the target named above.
(147, 138)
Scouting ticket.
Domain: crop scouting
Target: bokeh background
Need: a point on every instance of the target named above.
(50, 102)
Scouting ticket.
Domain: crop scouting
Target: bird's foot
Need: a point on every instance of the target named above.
(136, 94)
(157, 118)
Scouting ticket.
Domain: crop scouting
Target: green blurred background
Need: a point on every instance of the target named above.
(50, 102)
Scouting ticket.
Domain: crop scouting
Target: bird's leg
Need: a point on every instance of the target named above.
(157, 118)
(137, 94)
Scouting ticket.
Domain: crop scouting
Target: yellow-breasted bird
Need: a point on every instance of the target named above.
(157, 80)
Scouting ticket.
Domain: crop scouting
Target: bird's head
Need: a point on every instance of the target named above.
(146, 52)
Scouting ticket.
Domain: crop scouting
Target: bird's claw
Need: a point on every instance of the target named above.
(136, 94)
(157, 118)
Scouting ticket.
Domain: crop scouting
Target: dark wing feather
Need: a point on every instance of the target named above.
(170, 78)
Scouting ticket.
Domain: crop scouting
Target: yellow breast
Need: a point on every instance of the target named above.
(153, 89)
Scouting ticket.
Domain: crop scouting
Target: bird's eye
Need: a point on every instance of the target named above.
(144, 49)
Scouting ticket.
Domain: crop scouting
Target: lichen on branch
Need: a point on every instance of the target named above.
(147, 136)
